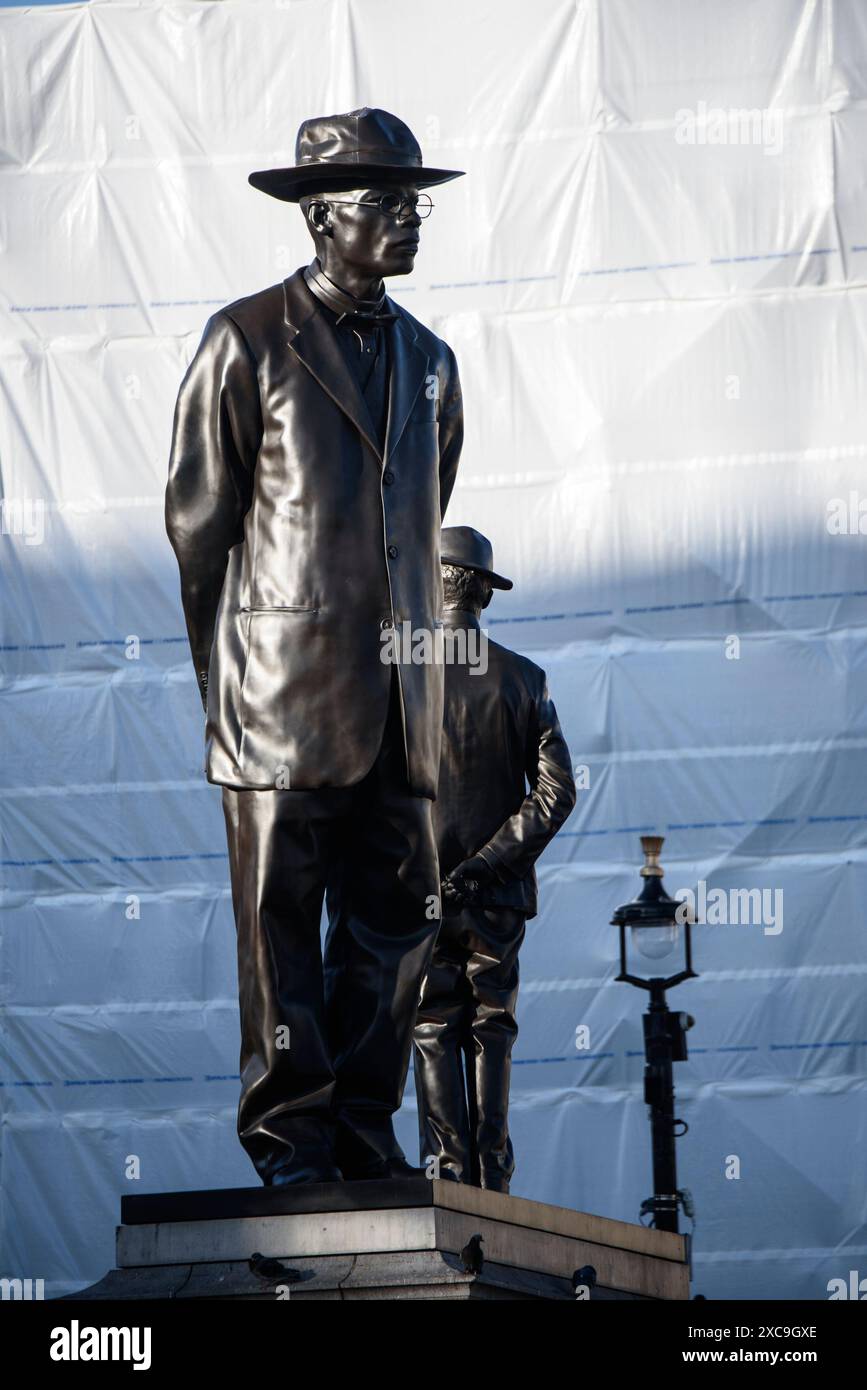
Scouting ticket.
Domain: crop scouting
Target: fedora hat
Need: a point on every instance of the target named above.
(333, 153)
(470, 550)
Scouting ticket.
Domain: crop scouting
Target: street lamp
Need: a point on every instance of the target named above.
(659, 928)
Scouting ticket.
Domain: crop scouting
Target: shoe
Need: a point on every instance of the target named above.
(495, 1182)
(366, 1151)
(289, 1176)
(448, 1175)
(383, 1169)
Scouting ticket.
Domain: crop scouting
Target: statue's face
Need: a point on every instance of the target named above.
(362, 237)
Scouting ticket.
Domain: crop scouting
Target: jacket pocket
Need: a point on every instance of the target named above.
(280, 608)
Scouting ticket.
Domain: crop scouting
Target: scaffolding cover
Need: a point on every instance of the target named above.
(653, 277)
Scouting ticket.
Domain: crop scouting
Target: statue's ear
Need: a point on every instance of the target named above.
(489, 595)
(318, 215)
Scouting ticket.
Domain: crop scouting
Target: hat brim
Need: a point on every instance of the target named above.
(495, 579)
(290, 185)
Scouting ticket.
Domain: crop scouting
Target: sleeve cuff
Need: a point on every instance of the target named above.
(496, 865)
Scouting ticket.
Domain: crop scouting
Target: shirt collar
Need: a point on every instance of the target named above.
(341, 302)
(460, 617)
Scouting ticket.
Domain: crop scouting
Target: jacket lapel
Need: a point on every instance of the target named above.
(312, 339)
(409, 364)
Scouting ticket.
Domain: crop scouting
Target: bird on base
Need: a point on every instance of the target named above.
(472, 1258)
(584, 1278)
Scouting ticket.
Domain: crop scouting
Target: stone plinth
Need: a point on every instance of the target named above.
(380, 1240)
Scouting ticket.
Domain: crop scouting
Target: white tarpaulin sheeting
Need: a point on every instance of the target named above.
(657, 300)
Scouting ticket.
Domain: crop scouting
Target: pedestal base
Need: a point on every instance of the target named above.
(380, 1240)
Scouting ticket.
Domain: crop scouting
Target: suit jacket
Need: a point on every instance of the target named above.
(500, 732)
(298, 538)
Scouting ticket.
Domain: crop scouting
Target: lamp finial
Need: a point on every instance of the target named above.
(652, 846)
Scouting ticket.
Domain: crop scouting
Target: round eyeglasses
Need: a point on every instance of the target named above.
(392, 204)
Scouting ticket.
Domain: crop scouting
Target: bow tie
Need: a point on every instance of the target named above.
(357, 313)
(363, 321)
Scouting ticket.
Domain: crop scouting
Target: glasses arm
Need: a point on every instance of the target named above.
(422, 209)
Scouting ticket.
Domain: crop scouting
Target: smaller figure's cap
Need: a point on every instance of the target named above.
(468, 548)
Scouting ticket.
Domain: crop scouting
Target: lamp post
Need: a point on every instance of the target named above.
(659, 926)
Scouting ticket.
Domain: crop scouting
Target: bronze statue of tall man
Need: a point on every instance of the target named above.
(316, 440)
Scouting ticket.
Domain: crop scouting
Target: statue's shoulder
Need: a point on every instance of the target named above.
(427, 339)
(254, 313)
(520, 667)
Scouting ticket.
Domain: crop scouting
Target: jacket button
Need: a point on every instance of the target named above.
(388, 477)
(393, 551)
(386, 624)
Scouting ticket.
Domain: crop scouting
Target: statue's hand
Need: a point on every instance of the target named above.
(469, 880)
(450, 895)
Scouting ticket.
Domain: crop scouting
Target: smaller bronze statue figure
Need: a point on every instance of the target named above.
(500, 733)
